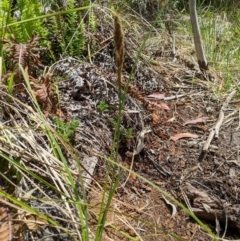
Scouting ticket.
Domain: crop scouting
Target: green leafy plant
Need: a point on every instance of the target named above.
(65, 129)
(29, 9)
(103, 106)
(23, 10)
(113, 122)
(128, 134)
(61, 32)
(73, 32)
(67, 31)
(4, 17)
(91, 27)
(10, 83)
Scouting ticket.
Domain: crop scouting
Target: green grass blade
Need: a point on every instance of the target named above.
(48, 15)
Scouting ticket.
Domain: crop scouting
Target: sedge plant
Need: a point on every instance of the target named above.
(113, 165)
(112, 170)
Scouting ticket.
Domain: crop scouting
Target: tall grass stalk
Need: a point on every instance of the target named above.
(104, 208)
(112, 169)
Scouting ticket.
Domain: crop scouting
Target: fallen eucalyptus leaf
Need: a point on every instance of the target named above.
(183, 135)
(156, 96)
(198, 120)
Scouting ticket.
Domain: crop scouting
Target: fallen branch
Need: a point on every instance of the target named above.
(216, 128)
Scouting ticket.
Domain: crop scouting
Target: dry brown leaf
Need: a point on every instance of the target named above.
(156, 96)
(183, 135)
(171, 119)
(162, 106)
(133, 176)
(25, 54)
(6, 225)
(192, 122)
(155, 118)
(17, 230)
(45, 94)
(42, 89)
(33, 222)
(41, 93)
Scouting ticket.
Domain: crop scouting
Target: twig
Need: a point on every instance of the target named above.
(238, 120)
(174, 48)
(139, 147)
(131, 166)
(174, 97)
(226, 221)
(216, 128)
(159, 168)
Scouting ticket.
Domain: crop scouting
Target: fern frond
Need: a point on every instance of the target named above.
(5, 17)
(25, 56)
(29, 9)
(55, 37)
(74, 32)
(92, 21)
(78, 41)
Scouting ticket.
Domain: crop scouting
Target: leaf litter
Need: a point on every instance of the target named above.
(160, 160)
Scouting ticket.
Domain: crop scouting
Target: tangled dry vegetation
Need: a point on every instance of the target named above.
(167, 117)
